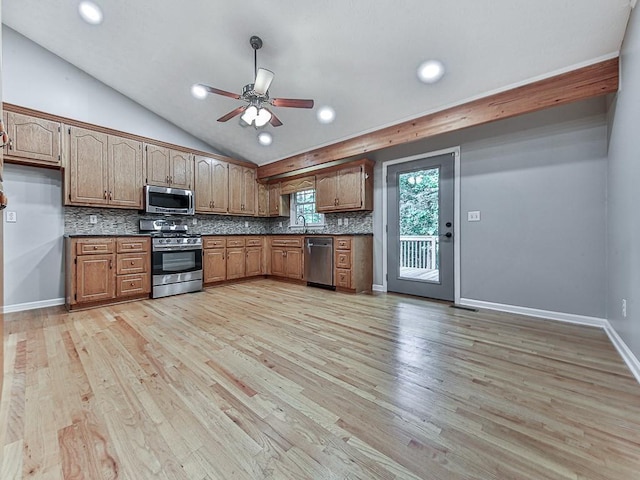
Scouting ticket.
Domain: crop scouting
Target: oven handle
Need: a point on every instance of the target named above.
(176, 248)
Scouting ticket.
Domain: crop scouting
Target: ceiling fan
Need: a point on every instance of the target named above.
(256, 95)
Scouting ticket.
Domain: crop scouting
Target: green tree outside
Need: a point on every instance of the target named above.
(419, 202)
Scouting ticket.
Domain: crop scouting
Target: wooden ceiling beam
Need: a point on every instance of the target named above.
(580, 84)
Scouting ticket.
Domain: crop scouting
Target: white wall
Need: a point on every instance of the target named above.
(539, 181)
(624, 194)
(36, 78)
(33, 246)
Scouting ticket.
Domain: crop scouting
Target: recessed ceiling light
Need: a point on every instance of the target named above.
(90, 13)
(198, 91)
(430, 71)
(265, 138)
(326, 114)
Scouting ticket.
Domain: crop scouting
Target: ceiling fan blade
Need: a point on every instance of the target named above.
(232, 113)
(263, 81)
(217, 91)
(292, 102)
(275, 121)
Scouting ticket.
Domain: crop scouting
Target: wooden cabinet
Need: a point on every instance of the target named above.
(33, 140)
(211, 185)
(235, 258)
(278, 204)
(168, 168)
(214, 259)
(103, 170)
(286, 257)
(106, 269)
(262, 204)
(353, 263)
(346, 189)
(242, 190)
(254, 256)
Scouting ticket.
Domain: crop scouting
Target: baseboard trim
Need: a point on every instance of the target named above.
(625, 352)
(378, 288)
(21, 307)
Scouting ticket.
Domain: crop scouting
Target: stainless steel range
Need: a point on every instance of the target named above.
(176, 257)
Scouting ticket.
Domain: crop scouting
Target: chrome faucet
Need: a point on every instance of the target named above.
(304, 223)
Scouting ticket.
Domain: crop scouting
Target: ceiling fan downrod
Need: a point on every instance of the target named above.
(256, 44)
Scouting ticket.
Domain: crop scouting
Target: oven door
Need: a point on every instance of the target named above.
(176, 261)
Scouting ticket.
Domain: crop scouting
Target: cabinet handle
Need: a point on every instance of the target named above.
(110, 264)
(110, 196)
(10, 144)
(171, 179)
(133, 263)
(132, 284)
(95, 247)
(213, 204)
(105, 194)
(166, 179)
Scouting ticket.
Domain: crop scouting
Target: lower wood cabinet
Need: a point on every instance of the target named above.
(106, 269)
(353, 263)
(287, 260)
(232, 257)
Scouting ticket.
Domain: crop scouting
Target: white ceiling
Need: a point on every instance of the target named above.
(359, 56)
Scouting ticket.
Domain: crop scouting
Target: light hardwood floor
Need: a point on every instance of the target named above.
(268, 380)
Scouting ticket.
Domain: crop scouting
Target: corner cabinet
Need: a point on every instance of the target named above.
(345, 189)
(168, 168)
(103, 270)
(33, 140)
(103, 170)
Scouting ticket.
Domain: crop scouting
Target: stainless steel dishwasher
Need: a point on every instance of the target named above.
(318, 261)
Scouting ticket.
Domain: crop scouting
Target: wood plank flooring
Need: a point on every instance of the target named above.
(268, 380)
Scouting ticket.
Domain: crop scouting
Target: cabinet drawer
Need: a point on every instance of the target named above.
(287, 242)
(213, 242)
(343, 259)
(126, 245)
(253, 241)
(131, 263)
(132, 285)
(235, 242)
(95, 246)
(343, 278)
(343, 244)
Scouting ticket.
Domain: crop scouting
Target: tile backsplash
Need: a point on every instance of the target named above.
(112, 221)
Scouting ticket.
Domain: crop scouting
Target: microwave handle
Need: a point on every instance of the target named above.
(191, 203)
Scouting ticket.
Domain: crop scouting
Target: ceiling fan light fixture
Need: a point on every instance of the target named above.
(263, 81)
(430, 71)
(326, 114)
(263, 117)
(90, 13)
(265, 138)
(198, 91)
(249, 115)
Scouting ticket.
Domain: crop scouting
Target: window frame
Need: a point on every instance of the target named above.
(293, 211)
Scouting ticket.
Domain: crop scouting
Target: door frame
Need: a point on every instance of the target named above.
(456, 213)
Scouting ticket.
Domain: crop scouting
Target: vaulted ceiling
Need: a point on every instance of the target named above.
(357, 56)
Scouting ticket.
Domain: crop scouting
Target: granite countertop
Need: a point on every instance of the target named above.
(298, 234)
(100, 235)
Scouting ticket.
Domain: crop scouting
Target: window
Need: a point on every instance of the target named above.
(304, 203)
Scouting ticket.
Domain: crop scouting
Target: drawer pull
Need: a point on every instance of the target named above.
(133, 263)
(133, 284)
(95, 247)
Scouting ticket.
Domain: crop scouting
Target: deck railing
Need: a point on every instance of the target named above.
(419, 251)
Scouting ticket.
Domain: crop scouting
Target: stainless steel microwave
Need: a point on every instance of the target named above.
(169, 201)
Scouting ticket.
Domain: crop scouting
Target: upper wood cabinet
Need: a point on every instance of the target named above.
(168, 168)
(211, 185)
(103, 170)
(278, 203)
(242, 190)
(345, 189)
(32, 140)
(262, 205)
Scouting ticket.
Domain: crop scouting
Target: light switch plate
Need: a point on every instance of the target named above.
(246, 224)
(12, 217)
(339, 222)
(346, 222)
(473, 216)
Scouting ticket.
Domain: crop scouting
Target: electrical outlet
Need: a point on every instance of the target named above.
(246, 224)
(93, 219)
(346, 222)
(12, 217)
(280, 224)
(194, 221)
(624, 308)
(473, 216)
(339, 222)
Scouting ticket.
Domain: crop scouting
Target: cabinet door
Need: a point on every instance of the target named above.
(249, 191)
(277, 261)
(293, 263)
(158, 163)
(235, 263)
(263, 200)
(236, 180)
(214, 265)
(253, 264)
(326, 192)
(181, 175)
(33, 139)
(95, 278)
(88, 182)
(125, 172)
(204, 184)
(349, 188)
(220, 186)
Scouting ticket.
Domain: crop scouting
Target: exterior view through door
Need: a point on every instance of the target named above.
(420, 256)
